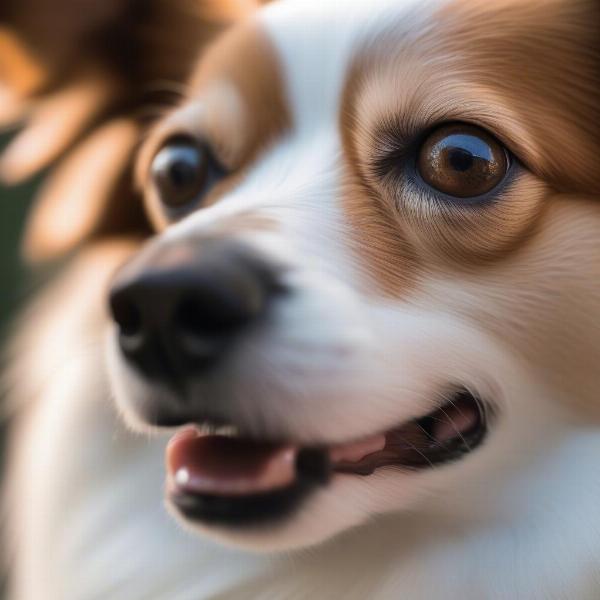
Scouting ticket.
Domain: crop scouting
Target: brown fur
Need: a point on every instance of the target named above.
(470, 66)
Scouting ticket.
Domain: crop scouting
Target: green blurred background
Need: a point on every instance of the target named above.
(13, 206)
(14, 203)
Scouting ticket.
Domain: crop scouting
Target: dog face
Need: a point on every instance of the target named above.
(376, 272)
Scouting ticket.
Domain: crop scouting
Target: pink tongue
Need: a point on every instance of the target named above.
(219, 465)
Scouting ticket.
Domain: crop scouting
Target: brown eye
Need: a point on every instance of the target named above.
(183, 171)
(462, 161)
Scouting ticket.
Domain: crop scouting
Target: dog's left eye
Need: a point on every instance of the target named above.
(183, 171)
(462, 161)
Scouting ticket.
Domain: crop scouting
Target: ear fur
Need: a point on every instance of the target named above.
(84, 78)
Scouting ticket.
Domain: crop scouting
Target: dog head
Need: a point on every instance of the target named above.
(374, 286)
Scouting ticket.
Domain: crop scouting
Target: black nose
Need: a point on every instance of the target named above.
(180, 307)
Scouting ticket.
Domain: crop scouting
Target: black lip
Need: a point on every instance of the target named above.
(429, 453)
(239, 511)
(465, 444)
(313, 470)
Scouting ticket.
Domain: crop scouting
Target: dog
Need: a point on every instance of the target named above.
(364, 339)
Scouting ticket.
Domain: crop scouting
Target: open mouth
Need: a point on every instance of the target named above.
(223, 478)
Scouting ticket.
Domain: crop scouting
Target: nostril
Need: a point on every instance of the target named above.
(127, 316)
(199, 327)
(211, 314)
(205, 322)
(214, 313)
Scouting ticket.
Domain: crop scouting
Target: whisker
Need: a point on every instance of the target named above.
(413, 447)
(456, 429)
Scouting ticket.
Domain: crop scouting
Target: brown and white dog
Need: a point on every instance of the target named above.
(375, 296)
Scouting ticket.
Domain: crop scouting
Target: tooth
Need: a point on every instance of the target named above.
(205, 429)
(182, 477)
(228, 431)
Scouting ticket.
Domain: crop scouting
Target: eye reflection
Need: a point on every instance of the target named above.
(462, 160)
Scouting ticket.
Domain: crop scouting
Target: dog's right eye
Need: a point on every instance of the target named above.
(183, 171)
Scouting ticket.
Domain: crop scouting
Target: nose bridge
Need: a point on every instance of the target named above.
(294, 195)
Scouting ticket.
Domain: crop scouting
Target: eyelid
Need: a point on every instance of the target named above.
(394, 142)
(400, 148)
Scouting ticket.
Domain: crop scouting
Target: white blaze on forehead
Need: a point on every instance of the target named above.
(316, 41)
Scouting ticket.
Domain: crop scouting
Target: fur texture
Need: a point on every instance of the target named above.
(395, 296)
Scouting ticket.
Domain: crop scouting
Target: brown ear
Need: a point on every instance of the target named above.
(86, 195)
(20, 72)
(83, 82)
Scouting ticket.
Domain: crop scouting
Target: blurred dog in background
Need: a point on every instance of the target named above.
(369, 319)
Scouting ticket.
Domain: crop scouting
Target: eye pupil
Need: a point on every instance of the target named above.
(183, 171)
(462, 160)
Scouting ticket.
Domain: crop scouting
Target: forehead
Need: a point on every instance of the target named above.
(316, 42)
